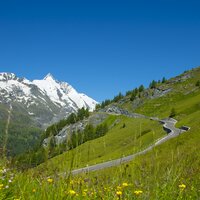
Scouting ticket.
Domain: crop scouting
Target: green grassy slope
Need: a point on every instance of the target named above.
(23, 134)
(170, 171)
(161, 172)
(118, 142)
(183, 95)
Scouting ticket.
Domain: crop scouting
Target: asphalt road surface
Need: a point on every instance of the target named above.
(169, 127)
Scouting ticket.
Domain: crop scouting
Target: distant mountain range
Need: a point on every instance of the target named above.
(45, 101)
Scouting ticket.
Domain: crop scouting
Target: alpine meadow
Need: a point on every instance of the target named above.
(99, 100)
(69, 159)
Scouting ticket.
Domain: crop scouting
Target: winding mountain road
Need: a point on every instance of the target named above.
(169, 127)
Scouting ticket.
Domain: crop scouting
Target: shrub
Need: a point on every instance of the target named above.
(173, 113)
(197, 83)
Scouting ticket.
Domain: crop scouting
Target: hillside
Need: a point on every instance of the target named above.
(179, 92)
(35, 105)
(169, 171)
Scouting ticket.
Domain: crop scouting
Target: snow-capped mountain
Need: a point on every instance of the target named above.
(46, 101)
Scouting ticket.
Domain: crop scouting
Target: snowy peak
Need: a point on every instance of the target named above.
(48, 100)
(62, 93)
(49, 77)
(5, 76)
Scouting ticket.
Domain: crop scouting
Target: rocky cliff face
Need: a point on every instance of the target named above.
(66, 132)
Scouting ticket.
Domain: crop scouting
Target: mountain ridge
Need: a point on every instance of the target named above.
(38, 98)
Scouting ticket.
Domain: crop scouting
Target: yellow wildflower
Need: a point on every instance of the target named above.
(72, 192)
(125, 184)
(50, 180)
(34, 190)
(119, 193)
(138, 192)
(182, 186)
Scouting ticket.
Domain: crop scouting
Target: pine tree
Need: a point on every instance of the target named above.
(133, 95)
(128, 93)
(89, 133)
(101, 130)
(163, 80)
(141, 88)
(197, 83)
(124, 125)
(173, 113)
(153, 84)
(136, 91)
(118, 97)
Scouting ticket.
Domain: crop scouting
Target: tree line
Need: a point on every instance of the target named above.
(54, 129)
(89, 133)
(77, 138)
(132, 93)
(42, 154)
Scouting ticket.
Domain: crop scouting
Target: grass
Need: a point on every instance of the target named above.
(184, 96)
(118, 142)
(161, 173)
(35, 184)
(170, 171)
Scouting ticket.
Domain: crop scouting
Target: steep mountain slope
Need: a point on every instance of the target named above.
(35, 105)
(45, 101)
(169, 171)
(180, 92)
(183, 95)
(157, 101)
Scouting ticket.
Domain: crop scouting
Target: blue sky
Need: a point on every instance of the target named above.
(99, 47)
